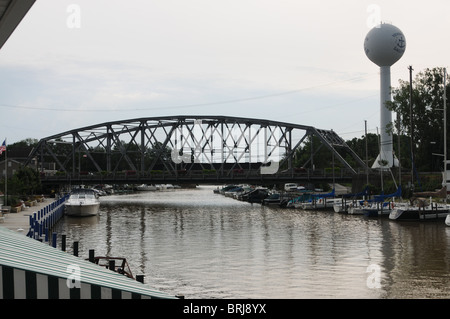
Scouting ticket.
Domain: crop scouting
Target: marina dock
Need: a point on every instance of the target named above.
(20, 222)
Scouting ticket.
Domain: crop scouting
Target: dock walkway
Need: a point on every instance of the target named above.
(20, 221)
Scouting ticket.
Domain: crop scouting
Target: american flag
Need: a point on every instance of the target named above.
(3, 147)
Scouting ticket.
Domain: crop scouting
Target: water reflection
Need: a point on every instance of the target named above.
(202, 245)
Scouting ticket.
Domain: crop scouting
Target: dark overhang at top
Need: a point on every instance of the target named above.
(11, 14)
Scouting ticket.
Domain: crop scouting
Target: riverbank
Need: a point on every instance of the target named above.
(20, 221)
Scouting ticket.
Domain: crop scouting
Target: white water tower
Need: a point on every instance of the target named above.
(384, 45)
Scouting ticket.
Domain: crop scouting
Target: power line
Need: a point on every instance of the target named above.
(90, 110)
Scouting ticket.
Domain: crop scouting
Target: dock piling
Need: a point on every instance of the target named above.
(91, 255)
(140, 278)
(75, 248)
(112, 265)
(54, 240)
(63, 242)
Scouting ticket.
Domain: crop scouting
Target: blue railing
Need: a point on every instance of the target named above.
(44, 219)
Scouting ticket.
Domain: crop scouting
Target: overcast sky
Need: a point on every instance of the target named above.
(73, 63)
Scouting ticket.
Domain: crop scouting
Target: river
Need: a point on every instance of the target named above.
(201, 245)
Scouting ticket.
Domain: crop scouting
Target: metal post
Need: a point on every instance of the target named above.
(367, 153)
(411, 125)
(445, 133)
(75, 248)
(91, 255)
(54, 240)
(112, 265)
(63, 242)
(140, 278)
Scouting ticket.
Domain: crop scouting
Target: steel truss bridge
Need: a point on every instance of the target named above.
(189, 149)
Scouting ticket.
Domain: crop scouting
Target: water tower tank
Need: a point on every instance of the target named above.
(385, 44)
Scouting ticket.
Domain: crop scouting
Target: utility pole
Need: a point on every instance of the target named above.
(411, 126)
(445, 133)
(367, 156)
(398, 152)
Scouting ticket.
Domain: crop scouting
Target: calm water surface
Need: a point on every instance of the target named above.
(203, 245)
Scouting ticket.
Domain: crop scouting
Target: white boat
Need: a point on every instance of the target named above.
(321, 203)
(376, 207)
(383, 209)
(447, 220)
(145, 187)
(349, 200)
(346, 206)
(340, 207)
(429, 212)
(82, 202)
(289, 187)
(357, 208)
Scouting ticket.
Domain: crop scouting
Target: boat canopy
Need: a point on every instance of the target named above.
(382, 197)
(365, 192)
(327, 195)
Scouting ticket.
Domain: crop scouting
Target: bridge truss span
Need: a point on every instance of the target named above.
(218, 148)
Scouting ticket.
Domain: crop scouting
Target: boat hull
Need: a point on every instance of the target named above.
(146, 188)
(447, 220)
(82, 210)
(377, 212)
(321, 204)
(419, 214)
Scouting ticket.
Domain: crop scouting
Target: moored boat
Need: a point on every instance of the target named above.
(382, 209)
(447, 220)
(280, 199)
(272, 199)
(320, 201)
(145, 187)
(430, 212)
(82, 202)
(256, 196)
(349, 200)
(376, 207)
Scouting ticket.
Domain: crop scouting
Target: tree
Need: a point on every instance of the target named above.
(427, 116)
(358, 145)
(25, 181)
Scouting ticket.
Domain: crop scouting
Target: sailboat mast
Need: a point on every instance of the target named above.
(445, 133)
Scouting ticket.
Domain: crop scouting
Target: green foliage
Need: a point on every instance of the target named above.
(25, 181)
(425, 122)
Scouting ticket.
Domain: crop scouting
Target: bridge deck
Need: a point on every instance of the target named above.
(200, 177)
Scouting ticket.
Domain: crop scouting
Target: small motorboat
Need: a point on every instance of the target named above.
(82, 202)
